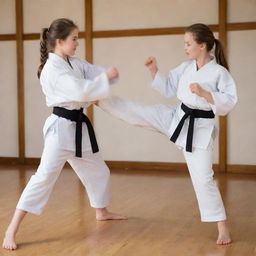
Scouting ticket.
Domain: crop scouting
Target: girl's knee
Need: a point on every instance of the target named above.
(105, 172)
(44, 177)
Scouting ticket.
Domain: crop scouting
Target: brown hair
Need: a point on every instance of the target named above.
(59, 29)
(203, 34)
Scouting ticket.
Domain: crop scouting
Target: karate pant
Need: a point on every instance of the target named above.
(91, 169)
(199, 162)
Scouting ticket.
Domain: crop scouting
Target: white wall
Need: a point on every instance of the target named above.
(242, 123)
(8, 102)
(7, 17)
(241, 11)
(116, 14)
(40, 13)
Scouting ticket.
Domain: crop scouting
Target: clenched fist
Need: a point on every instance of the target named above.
(151, 64)
(112, 73)
(197, 89)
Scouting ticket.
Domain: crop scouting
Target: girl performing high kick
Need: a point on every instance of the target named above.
(205, 89)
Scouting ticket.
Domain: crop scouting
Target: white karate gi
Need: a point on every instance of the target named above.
(72, 88)
(164, 119)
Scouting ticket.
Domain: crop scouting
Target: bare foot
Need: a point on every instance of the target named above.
(9, 241)
(104, 214)
(224, 236)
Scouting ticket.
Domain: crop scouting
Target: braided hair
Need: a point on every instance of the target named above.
(59, 29)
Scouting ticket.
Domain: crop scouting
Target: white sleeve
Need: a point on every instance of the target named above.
(91, 71)
(168, 86)
(225, 97)
(70, 88)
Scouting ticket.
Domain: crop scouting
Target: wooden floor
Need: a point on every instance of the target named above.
(163, 212)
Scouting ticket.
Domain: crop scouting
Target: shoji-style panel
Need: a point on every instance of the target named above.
(242, 124)
(7, 17)
(40, 13)
(131, 14)
(8, 102)
(241, 11)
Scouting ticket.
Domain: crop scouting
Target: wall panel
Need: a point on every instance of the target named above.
(40, 13)
(241, 11)
(131, 14)
(242, 124)
(7, 17)
(8, 102)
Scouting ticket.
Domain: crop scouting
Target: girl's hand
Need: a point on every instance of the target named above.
(198, 90)
(112, 73)
(151, 64)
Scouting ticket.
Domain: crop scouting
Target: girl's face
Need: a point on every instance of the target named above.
(68, 46)
(191, 47)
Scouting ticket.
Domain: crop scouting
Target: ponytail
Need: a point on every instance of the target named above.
(43, 51)
(203, 34)
(219, 54)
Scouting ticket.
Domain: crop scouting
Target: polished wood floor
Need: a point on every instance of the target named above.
(163, 212)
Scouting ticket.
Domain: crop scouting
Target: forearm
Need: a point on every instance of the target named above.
(208, 96)
(153, 72)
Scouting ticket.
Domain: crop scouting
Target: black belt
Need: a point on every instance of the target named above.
(192, 113)
(79, 117)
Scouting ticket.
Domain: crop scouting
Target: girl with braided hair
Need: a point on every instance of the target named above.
(69, 84)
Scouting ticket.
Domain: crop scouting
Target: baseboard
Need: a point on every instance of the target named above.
(146, 165)
(136, 165)
(9, 160)
(36, 161)
(241, 168)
